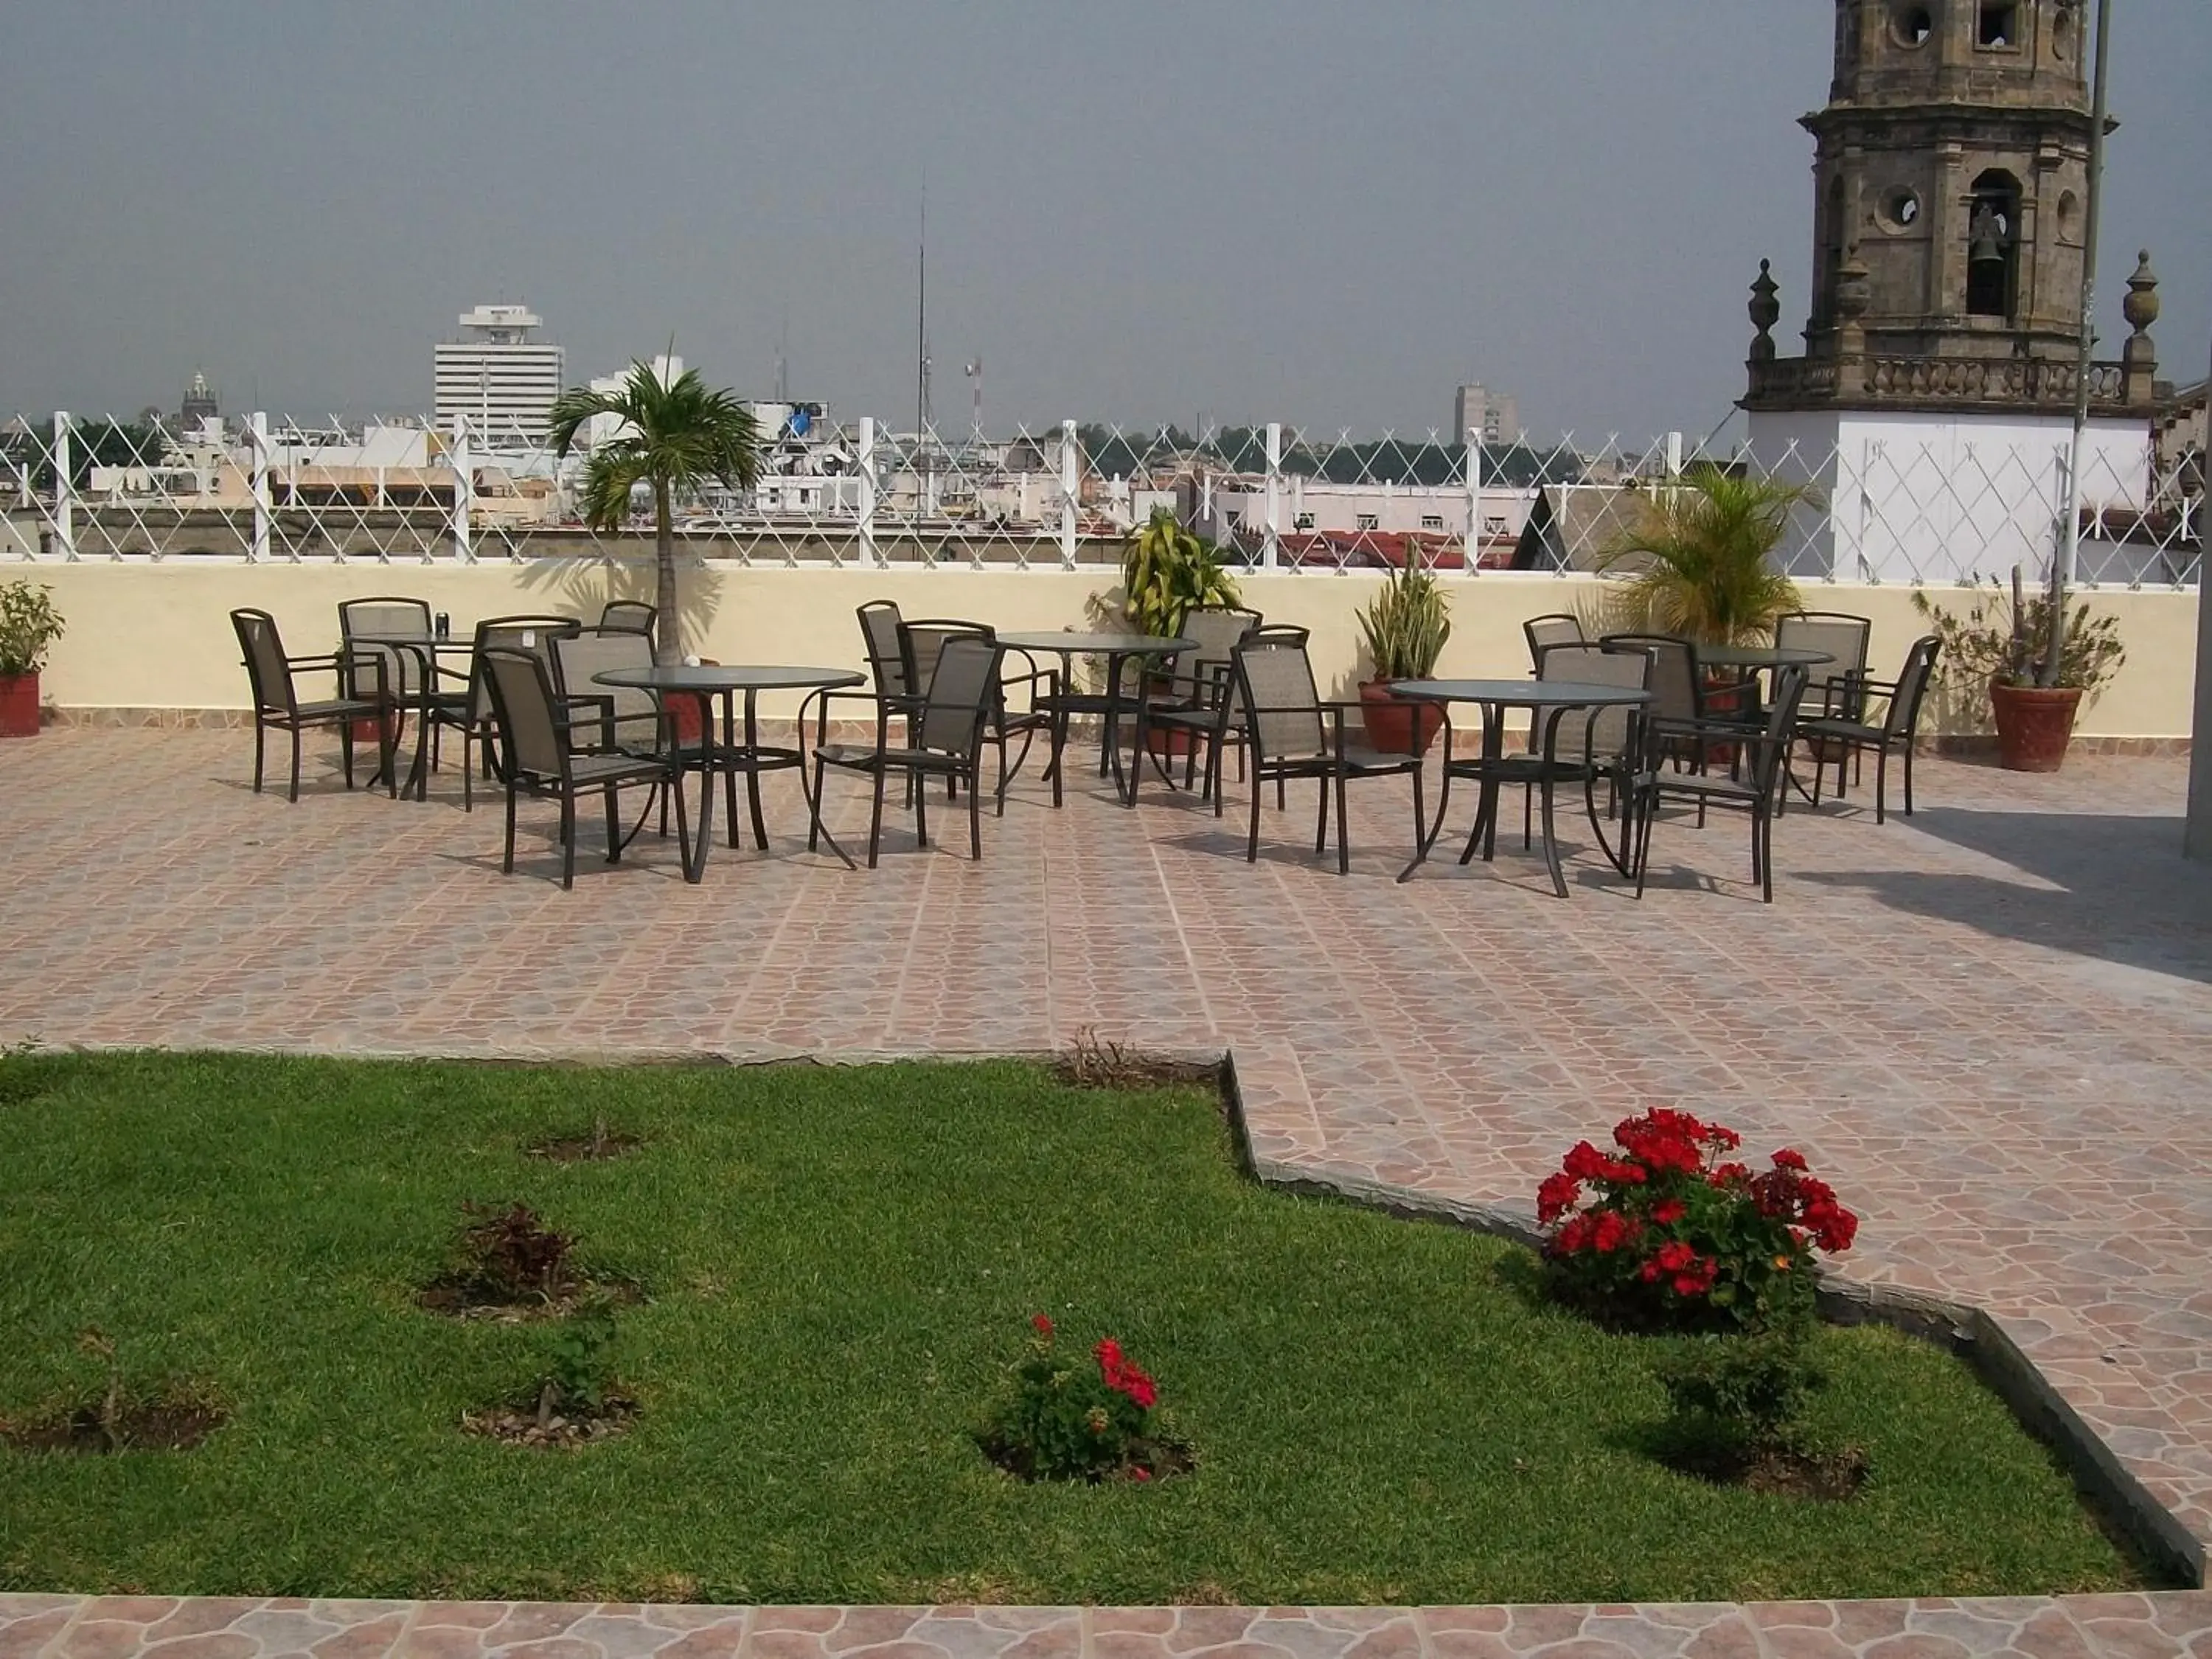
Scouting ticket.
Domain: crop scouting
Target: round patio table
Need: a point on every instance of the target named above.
(1548, 700)
(1761, 656)
(1117, 649)
(730, 754)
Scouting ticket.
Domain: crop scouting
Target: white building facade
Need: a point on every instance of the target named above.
(498, 380)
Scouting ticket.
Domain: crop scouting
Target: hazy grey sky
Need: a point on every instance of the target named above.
(1139, 210)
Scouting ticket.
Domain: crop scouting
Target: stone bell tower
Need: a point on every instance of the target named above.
(1950, 192)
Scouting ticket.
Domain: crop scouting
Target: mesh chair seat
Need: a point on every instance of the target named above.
(598, 769)
(328, 710)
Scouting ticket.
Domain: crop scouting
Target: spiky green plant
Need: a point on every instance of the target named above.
(675, 435)
(1405, 625)
(1705, 541)
(1168, 571)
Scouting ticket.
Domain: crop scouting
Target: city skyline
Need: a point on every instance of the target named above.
(1249, 213)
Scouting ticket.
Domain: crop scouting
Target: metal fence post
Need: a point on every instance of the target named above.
(64, 488)
(464, 488)
(1271, 531)
(866, 481)
(256, 440)
(1471, 558)
(1071, 493)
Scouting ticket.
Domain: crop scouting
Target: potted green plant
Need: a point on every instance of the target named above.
(1405, 627)
(2001, 642)
(29, 624)
(1168, 570)
(1702, 555)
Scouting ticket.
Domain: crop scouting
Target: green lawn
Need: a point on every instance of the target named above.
(839, 1262)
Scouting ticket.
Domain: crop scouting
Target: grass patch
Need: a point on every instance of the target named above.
(837, 1264)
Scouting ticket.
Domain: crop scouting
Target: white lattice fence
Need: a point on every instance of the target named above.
(1935, 509)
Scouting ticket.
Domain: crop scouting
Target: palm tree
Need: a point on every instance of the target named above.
(1706, 539)
(675, 435)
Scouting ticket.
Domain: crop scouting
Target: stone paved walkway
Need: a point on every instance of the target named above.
(1988, 1025)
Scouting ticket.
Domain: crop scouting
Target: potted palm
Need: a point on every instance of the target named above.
(1702, 556)
(672, 437)
(1168, 570)
(1405, 627)
(2001, 642)
(29, 624)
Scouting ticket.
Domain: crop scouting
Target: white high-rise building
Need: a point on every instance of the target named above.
(497, 377)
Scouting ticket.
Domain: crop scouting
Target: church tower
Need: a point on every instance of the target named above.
(1934, 395)
(1950, 188)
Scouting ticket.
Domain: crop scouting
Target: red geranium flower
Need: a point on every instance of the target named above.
(1042, 1322)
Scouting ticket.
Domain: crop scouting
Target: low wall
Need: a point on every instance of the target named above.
(158, 636)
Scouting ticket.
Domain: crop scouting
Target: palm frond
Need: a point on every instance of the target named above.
(1704, 544)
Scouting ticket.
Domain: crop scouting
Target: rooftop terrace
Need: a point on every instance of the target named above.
(1987, 1023)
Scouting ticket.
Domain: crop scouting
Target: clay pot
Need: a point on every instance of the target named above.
(2034, 725)
(19, 705)
(1398, 725)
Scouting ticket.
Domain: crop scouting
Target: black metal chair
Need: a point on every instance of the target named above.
(276, 699)
(470, 714)
(1558, 627)
(628, 616)
(1585, 746)
(946, 738)
(1832, 685)
(1192, 698)
(1754, 788)
(1293, 733)
(536, 755)
(1849, 736)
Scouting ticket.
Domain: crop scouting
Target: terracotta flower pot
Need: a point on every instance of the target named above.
(2034, 725)
(1397, 726)
(19, 705)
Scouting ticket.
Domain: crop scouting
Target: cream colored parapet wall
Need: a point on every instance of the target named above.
(159, 637)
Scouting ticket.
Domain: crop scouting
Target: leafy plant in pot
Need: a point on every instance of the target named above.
(1405, 627)
(2001, 641)
(29, 625)
(1702, 565)
(1168, 570)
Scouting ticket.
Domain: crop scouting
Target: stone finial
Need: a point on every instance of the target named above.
(2139, 356)
(2141, 307)
(1766, 312)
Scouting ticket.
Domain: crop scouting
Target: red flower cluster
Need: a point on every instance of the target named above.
(1042, 1323)
(1125, 1376)
(1661, 1211)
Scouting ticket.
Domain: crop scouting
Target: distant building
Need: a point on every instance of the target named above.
(1495, 415)
(498, 380)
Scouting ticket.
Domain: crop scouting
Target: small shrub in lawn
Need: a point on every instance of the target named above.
(508, 1260)
(1666, 1233)
(1734, 1410)
(171, 1418)
(1066, 1420)
(576, 1398)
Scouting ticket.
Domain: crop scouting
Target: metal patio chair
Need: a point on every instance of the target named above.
(628, 616)
(470, 714)
(1754, 788)
(1294, 732)
(1849, 738)
(946, 738)
(277, 700)
(1559, 628)
(1193, 696)
(536, 755)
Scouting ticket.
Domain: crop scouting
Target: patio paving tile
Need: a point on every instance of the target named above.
(1986, 1024)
